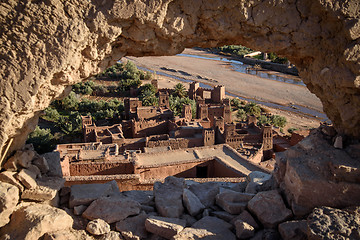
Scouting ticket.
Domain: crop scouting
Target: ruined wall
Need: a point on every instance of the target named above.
(173, 143)
(48, 45)
(149, 127)
(100, 168)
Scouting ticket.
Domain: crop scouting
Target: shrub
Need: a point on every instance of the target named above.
(235, 49)
(292, 129)
(237, 103)
(278, 121)
(85, 88)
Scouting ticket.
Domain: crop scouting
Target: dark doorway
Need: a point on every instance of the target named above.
(201, 172)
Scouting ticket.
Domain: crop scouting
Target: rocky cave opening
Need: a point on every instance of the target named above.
(48, 46)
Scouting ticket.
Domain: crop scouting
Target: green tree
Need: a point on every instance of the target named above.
(176, 105)
(85, 88)
(252, 109)
(148, 87)
(70, 124)
(42, 140)
(51, 114)
(180, 90)
(148, 98)
(263, 120)
(241, 114)
(70, 103)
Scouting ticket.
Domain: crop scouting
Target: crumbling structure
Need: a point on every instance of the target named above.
(154, 133)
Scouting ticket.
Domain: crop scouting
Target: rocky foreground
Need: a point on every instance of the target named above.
(34, 204)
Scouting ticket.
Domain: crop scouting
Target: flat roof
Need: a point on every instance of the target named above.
(223, 152)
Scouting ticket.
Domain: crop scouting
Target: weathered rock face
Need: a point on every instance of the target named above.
(315, 174)
(47, 46)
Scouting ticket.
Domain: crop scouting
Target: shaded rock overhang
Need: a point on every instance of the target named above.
(46, 46)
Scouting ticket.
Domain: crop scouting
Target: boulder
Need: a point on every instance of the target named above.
(143, 197)
(68, 234)
(233, 202)
(163, 226)
(112, 209)
(207, 228)
(223, 215)
(269, 208)
(39, 193)
(148, 208)
(259, 181)
(22, 158)
(133, 228)
(245, 216)
(34, 169)
(78, 210)
(9, 177)
(206, 192)
(53, 161)
(34, 220)
(267, 234)
(41, 163)
(330, 223)
(192, 203)
(9, 197)
(190, 220)
(168, 197)
(244, 230)
(293, 230)
(338, 142)
(84, 194)
(56, 183)
(112, 235)
(318, 177)
(27, 178)
(98, 227)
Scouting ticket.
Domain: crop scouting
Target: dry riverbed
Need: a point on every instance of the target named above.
(214, 72)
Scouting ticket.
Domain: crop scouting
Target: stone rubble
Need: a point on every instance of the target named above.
(86, 193)
(164, 226)
(112, 209)
(9, 177)
(210, 210)
(27, 178)
(233, 202)
(133, 228)
(33, 221)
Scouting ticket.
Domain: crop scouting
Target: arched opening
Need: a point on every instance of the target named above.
(47, 46)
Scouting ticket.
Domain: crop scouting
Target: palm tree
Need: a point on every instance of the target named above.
(179, 90)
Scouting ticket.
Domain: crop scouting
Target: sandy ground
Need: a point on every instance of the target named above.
(215, 72)
(245, 85)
